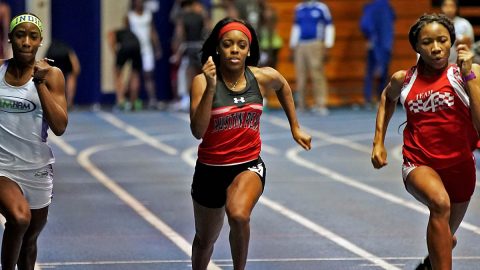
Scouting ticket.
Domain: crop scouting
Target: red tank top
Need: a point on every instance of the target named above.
(233, 134)
(439, 130)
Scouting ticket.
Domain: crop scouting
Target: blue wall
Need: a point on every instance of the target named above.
(78, 23)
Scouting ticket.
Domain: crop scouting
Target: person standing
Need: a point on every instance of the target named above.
(141, 23)
(66, 59)
(32, 99)
(312, 35)
(191, 26)
(225, 109)
(442, 104)
(124, 43)
(377, 25)
(463, 28)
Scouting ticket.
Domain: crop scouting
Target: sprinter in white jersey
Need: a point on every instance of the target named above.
(32, 99)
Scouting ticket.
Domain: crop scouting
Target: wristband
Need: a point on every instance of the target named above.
(37, 80)
(469, 77)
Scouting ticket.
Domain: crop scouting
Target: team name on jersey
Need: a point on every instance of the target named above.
(431, 101)
(16, 105)
(237, 120)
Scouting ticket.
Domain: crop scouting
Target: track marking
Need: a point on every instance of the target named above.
(293, 155)
(333, 259)
(189, 157)
(84, 160)
(62, 144)
(114, 121)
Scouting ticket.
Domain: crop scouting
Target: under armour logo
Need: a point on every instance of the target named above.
(237, 100)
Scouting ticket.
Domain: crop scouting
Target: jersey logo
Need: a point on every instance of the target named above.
(237, 100)
(11, 104)
(257, 169)
(435, 102)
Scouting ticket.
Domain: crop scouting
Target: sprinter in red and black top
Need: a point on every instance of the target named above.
(442, 103)
(226, 105)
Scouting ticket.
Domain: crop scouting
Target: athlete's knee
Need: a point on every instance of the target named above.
(238, 217)
(203, 242)
(19, 219)
(440, 205)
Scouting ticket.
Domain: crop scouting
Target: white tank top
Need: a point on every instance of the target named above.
(141, 26)
(23, 130)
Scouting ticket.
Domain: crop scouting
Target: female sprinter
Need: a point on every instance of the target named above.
(32, 98)
(442, 104)
(226, 104)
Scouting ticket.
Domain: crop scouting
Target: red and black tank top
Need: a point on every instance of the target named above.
(233, 134)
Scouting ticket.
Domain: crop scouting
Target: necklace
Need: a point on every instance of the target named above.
(233, 85)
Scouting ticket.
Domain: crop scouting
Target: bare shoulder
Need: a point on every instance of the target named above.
(398, 78)
(265, 73)
(199, 79)
(476, 68)
(55, 73)
(268, 77)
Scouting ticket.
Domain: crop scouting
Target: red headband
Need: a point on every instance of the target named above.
(235, 26)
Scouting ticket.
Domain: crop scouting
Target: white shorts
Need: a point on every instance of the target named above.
(407, 168)
(36, 185)
(148, 60)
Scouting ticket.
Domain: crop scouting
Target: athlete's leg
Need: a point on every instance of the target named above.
(28, 253)
(301, 77)
(150, 88)
(242, 195)
(14, 207)
(427, 187)
(208, 224)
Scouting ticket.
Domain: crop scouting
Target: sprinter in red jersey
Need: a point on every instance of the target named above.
(226, 105)
(442, 103)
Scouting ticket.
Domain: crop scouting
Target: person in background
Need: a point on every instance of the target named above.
(442, 104)
(37, 92)
(463, 28)
(230, 174)
(142, 25)
(66, 60)
(190, 28)
(4, 23)
(312, 35)
(377, 25)
(124, 43)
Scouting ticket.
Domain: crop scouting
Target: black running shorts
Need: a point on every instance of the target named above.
(210, 183)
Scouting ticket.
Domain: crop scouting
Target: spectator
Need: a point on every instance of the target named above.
(141, 23)
(463, 29)
(124, 43)
(377, 25)
(66, 60)
(4, 21)
(312, 35)
(190, 29)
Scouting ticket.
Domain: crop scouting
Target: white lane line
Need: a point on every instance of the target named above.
(324, 136)
(113, 120)
(270, 149)
(189, 157)
(62, 144)
(84, 160)
(292, 154)
(326, 234)
(333, 259)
